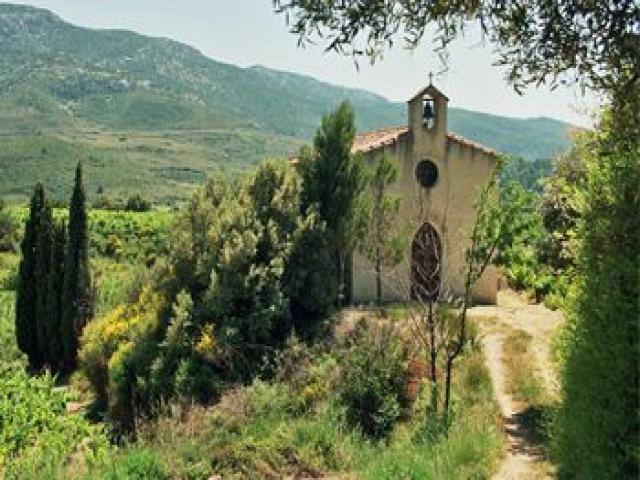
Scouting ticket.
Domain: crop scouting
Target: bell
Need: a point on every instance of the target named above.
(427, 112)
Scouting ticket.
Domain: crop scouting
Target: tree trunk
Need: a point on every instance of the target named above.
(447, 391)
(432, 360)
(341, 285)
(378, 279)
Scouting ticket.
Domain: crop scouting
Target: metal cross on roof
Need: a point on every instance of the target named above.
(430, 78)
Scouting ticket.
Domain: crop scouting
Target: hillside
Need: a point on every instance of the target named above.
(168, 116)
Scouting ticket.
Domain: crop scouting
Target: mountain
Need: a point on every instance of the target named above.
(156, 115)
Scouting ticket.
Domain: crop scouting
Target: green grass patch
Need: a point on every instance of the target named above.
(269, 429)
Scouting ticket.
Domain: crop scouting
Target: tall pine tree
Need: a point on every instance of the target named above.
(27, 293)
(334, 180)
(77, 295)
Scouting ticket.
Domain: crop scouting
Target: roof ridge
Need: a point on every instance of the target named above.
(373, 139)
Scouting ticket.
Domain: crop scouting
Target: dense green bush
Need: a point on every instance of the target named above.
(596, 431)
(373, 380)
(239, 280)
(243, 254)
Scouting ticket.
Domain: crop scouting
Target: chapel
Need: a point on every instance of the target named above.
(439, 176)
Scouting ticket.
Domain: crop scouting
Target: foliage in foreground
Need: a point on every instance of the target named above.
(296, 424)
(37, 435)
(373, 380)
(596, 431)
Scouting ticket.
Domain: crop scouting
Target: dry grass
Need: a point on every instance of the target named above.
(523, 382)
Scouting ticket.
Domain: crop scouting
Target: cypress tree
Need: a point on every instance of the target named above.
(43, 253)
(54, 296)
(27, 294)
(77, 293)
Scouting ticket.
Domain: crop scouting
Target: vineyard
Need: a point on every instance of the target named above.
(121, 235)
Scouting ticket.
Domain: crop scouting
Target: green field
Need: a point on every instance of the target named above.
(164, 167)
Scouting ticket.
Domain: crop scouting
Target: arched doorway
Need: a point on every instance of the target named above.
(426, 264)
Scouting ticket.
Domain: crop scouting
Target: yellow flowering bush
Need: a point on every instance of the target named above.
(105, 336)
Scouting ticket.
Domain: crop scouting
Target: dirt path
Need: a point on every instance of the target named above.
(524, 459)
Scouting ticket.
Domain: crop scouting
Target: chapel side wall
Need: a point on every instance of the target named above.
(468, 170)
(363, 275)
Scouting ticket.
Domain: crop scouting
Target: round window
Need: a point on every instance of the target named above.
(427, 173)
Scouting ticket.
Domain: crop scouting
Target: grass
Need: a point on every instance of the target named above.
(10, 353)
(526, 386)
(266, 430)
(523, 381)
(8, 270)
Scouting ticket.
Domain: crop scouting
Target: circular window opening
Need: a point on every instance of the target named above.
(427, 173)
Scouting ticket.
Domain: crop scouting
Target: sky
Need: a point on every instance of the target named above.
(247, 32)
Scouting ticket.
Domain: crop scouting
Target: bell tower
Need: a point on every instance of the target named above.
(427, 111)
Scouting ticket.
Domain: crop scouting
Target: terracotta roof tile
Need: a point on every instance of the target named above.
(367, 141)
(454, 137)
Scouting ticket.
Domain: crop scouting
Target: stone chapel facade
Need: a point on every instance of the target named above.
(439, 176)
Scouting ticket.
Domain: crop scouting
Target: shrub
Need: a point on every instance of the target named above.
(595, 433)
(136, 203)
(113, 334)
(137, 356)
(373, 380)
(242, 253)
(137, 465)
(103, 202)
(114, 247)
